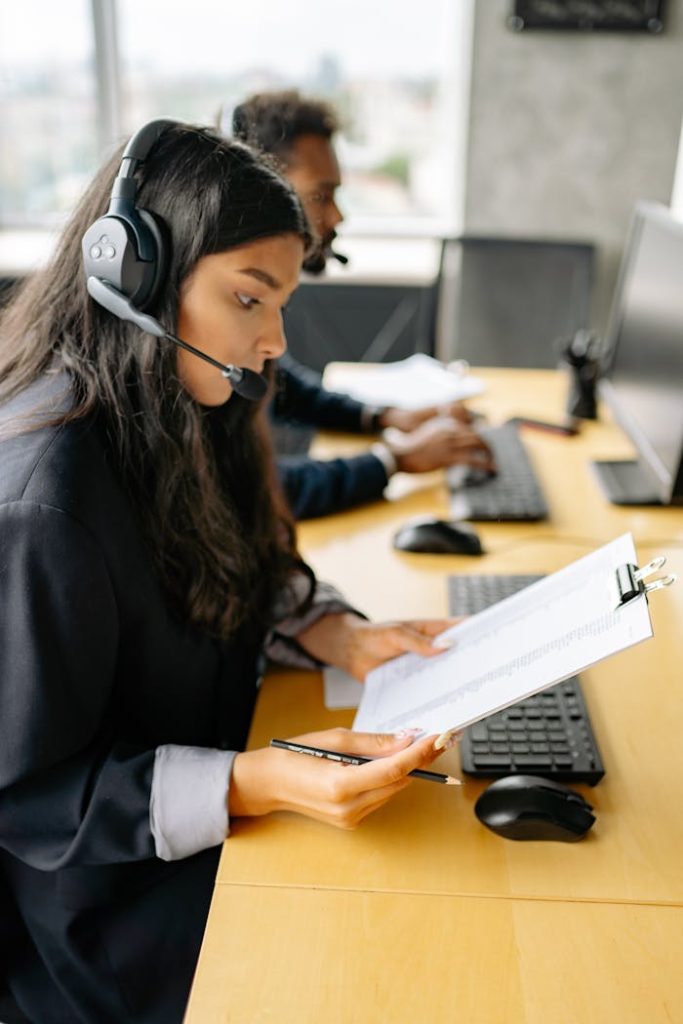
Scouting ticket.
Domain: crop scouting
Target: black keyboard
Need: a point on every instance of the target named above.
(549, 734)
(292, 438)
(513, 494)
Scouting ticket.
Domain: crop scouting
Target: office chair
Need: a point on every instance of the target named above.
(360, 322)
(507, 301)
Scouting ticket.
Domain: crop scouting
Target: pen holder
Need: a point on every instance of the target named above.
(581, 355)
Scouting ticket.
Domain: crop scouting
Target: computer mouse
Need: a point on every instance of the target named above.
(439, 537)
(529, 807)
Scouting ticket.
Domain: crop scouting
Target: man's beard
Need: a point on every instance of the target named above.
(316, 261)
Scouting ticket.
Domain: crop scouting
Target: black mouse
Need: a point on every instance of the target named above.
(529, 807)
(438, 536)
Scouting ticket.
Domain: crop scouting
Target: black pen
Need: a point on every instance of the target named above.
(335, 755)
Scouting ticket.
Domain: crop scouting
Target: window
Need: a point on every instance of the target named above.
(394, 75)
(390, 71)
(48, 138)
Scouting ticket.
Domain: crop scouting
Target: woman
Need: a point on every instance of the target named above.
(146, 566)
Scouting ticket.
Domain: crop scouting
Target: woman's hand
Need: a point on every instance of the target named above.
(358, 646)
(270, 779)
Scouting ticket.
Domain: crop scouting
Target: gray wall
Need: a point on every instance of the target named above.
(568, 130)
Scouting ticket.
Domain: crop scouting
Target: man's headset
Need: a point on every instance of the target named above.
(125, 260)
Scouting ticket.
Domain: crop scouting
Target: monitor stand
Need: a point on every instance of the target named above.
(624, 483)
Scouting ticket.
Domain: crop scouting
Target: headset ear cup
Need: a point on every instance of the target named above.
(111, 252)
(157, 273)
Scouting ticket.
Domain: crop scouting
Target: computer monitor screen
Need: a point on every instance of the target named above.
(643, 382)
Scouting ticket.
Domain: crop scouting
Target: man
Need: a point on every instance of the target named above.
(297, 133)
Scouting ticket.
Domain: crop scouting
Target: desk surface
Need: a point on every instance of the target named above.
(421, 880)
(301, 955)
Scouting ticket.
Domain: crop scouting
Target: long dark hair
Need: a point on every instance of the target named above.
(202, 481)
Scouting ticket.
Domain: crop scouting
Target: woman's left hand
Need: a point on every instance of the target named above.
(358, 646)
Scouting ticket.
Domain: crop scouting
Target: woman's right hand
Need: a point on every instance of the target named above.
(271, 779)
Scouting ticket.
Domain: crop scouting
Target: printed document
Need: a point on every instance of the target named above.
(545, 633)
(411, 383)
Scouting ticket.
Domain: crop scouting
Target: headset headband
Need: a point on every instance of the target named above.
(136, 152)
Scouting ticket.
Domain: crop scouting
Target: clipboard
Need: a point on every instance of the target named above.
(561, 625)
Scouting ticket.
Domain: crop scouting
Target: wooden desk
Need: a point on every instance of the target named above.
(576, 502)
(299, 954)
(421, 912)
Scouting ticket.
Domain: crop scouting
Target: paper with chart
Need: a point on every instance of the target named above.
(533, 639)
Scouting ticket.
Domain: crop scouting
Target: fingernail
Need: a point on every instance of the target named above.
(442, 643)
(452, 740)
(403, 734)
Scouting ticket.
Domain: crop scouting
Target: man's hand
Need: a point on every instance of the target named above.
(437, 444)
(411, 419)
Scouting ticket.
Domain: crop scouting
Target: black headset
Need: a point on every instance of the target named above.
(125, 247)
(125, 259)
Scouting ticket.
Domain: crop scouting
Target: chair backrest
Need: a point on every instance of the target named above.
(507, 301)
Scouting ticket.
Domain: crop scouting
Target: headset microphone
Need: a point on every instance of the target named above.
(245, 383)
(339, 257)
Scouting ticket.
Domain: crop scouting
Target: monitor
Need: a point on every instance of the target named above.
(643, 378)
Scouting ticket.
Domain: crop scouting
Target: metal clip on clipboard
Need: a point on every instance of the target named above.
(631, 580)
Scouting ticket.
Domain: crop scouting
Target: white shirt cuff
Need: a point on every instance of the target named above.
(188, 809)
(387, 458)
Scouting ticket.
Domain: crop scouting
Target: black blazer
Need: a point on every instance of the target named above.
(300, 396)
(316, 487)
(95, 672)
(321, 487)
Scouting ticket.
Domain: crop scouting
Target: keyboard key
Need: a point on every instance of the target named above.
(533, 761)
(492, 761)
